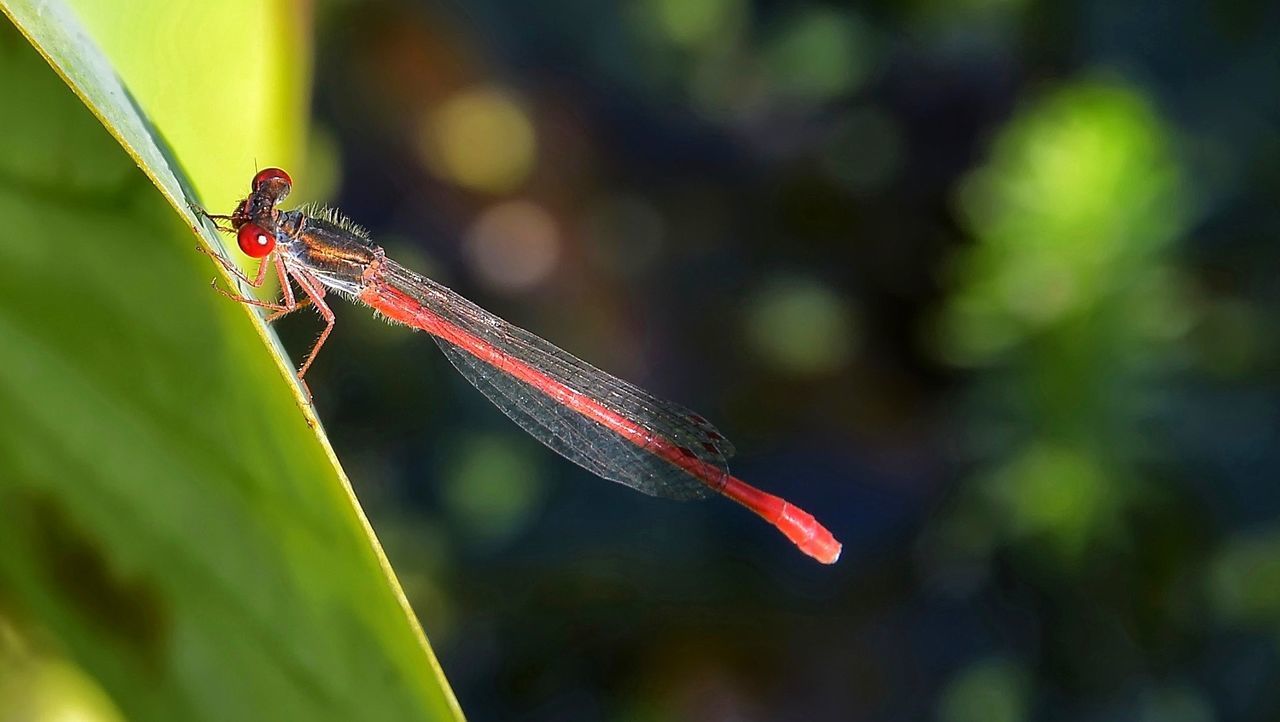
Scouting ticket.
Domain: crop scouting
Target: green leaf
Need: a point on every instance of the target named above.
(238, 99)
(169, 521)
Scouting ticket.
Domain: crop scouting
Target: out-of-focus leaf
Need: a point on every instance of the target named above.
(170, 523)
(238, 102)
(1070, 301)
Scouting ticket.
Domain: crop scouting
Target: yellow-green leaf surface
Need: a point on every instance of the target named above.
(169, 522)
(236, 102)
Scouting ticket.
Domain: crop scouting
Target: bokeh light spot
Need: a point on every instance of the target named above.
(693, 23)
(1080, 197)
(491, 487)
(819, 54)
(513, 246)
(1056, 494)
(482, 139)
(987, 691)
(1245, 579)
(801, 326)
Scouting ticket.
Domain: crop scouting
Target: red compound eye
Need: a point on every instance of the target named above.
(271, 174)
(255, 241)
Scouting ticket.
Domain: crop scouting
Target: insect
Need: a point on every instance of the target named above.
(602, 423)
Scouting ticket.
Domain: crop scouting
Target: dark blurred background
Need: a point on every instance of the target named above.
(988, 286)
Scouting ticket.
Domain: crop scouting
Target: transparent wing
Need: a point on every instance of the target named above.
(598, 421)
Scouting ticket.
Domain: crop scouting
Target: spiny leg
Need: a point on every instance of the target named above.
(286, 288)
(315, 293)
(280, 309)
(286, 311)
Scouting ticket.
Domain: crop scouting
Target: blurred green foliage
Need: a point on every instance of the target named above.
(802, 327)
(1068, 300)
